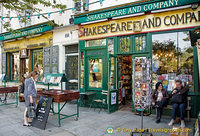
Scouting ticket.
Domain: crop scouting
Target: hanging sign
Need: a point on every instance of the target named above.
(113, 98)
(23, 53)
(26, 31)
(131, 9)
(170, 20)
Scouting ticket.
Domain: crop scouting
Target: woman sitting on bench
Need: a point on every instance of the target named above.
(159, 98)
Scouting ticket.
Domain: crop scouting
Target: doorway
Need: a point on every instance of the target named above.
(125, 82)
(71, 71)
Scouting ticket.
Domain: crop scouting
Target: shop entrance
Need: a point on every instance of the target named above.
(125, 82)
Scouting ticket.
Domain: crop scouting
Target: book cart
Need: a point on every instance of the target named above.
(59, 95)
(4, 91)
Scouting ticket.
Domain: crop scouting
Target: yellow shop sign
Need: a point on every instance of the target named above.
(140, 24)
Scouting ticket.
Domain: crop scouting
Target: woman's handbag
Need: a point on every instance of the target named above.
(177, 98)
(31, 111)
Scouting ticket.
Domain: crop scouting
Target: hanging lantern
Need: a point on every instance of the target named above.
(19, 18)
(2, 18)
(38, 15)
(101, 2)
(60, 12)
(73, 9)
(10, 18)
(28, 16)
(49, 14)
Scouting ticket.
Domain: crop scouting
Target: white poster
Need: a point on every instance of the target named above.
(113, 98)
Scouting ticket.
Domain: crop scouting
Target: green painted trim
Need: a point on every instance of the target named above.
(195, 70)
(81, 49)
(131, 9)
(14, 81)
(10, 66)
(95, 47)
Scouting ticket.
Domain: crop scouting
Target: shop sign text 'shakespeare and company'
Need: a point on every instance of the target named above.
(133, 9)
(170, 20)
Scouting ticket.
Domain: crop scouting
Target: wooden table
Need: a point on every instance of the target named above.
(62, 97)
(6, 90)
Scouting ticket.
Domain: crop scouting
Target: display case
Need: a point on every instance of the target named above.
(5, 90)
(142, 83)
(59, 95)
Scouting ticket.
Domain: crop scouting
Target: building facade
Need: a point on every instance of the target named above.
(127, 49)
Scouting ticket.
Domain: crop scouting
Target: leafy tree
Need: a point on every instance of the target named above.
(22, 6)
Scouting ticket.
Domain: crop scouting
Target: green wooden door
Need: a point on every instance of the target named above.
(112, 84)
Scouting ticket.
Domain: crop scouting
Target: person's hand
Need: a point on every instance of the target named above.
(159, 99)
(31, 99)
(174, 91)
(153, 103)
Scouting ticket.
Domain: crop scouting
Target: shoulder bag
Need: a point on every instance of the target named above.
(177, 98)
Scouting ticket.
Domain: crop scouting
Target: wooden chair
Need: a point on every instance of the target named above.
(101, 102)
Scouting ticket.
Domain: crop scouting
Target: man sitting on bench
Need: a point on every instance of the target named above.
(178, 103)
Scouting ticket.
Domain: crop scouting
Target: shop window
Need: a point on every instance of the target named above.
(125, 44)
(94, 43)
(82, 69)
(71, 49)
(95, 73)
(172, 59)
(15, 69)
(38, 63)
(140, 43)
(111, 46)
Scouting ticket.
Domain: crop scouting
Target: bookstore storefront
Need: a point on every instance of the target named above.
(23, 52)
(128, 55)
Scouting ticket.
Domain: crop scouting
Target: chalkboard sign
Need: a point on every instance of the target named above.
(51, 59)
(47, 70)
(3, 63)
(55, 55)
(47, 54)
(42, 112)
(55, 70)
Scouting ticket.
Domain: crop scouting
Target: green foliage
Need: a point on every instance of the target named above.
(22, 6)
(172, 58)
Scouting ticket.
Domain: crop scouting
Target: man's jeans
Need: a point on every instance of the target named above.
(181, 108)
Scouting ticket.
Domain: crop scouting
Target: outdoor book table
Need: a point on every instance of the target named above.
(5, 91)
(60, 96)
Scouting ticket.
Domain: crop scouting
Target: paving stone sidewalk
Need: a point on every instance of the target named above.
(90, 123)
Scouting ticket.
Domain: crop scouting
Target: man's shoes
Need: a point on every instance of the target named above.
(171, 122)
(158, 121)
(182, 124)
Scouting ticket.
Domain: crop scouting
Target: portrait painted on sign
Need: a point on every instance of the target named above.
(137, 26)
(23, 53)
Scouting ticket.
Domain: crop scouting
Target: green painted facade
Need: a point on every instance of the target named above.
(90, 52)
